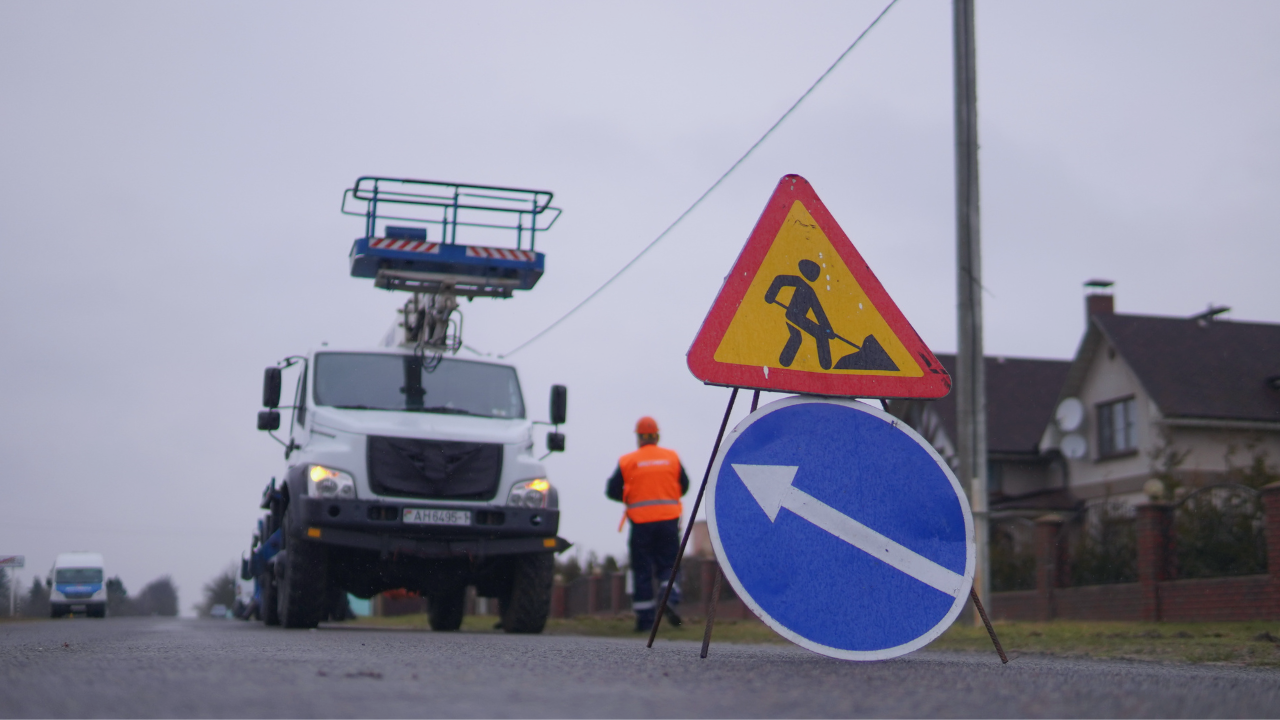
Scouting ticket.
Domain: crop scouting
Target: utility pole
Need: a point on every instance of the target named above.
(970, 380)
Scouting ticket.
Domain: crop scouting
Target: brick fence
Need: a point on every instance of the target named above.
(1155, 596)
(605, 594)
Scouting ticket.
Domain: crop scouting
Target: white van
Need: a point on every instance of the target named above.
(78, 584)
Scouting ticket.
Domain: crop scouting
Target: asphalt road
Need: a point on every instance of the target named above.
(148, 667)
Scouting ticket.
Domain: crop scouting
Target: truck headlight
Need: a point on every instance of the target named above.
(530, 493)
(330, 483)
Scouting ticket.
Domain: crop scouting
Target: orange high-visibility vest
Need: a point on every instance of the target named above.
(651, 484)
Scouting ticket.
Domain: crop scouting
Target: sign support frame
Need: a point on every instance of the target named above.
(684, 542)
(704, 363)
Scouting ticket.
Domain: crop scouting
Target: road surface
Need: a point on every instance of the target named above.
(149, 667)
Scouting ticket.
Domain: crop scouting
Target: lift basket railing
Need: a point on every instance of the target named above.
(450, 206)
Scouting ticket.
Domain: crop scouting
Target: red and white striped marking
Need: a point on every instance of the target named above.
(421, 246)
(502, 253)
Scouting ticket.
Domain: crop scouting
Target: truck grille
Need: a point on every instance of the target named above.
(406, 467)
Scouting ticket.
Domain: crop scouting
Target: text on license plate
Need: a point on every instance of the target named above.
(429, 516)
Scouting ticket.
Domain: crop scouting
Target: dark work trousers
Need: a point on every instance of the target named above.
(653, 546)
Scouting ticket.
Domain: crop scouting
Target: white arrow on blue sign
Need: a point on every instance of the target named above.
(841, 528)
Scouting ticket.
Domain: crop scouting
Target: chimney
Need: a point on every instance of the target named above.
(1099, 300)
(1100, 305)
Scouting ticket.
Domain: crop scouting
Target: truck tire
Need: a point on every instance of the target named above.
(303, 586)
(268, 607)
(527, 604)
(445, 609)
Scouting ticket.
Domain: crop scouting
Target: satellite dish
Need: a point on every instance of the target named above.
(1074, 446)
(1069, 415)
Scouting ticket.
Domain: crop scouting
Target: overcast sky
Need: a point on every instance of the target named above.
(170, 176)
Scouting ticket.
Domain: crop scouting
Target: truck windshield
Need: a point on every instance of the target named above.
(381, 381)
(78, 575)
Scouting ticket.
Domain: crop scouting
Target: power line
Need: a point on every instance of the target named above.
(708, 191)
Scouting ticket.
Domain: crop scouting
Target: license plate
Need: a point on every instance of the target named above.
(430, 516)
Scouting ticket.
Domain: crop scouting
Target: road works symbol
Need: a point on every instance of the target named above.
(840, 528)
(798, 291)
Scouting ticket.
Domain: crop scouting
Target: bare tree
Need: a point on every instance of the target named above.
(36, 602)
(119, 604)
(221, 590)
(159, 597)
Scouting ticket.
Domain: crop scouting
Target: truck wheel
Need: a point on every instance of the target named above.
(527, 604)
(445, 610)
(96, 611)
(302, 586)
(268, 608)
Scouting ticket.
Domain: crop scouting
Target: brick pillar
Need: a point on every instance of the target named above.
(1153, 554)
(1271, 510)
(593, 594)
(558, 608)
(1048, 564)
(618, 592)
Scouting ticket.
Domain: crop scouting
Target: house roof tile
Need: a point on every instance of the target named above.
(1021, 396)
(1214, 369)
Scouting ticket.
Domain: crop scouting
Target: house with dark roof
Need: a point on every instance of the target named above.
(1185, 399)
(1188, 400)
(1021, 396)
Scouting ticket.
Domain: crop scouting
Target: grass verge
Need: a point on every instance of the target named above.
(737, 631)
(1236, 643)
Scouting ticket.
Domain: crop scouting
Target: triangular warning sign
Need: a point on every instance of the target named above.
(801, 312)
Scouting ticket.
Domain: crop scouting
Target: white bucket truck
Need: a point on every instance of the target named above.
(77, 584)
(408, 467)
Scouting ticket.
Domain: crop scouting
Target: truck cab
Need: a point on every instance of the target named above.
(406, 466)
(77, 584)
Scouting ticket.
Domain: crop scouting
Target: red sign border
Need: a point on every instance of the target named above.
(935, 382)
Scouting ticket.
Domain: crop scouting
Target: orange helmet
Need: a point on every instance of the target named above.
(646, 426)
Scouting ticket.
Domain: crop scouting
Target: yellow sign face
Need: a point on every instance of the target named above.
(805, 311)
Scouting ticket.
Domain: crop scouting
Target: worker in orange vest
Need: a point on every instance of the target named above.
(651, 481)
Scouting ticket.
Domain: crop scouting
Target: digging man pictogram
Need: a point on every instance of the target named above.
(868, 355)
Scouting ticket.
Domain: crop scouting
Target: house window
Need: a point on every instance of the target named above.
(1116, 432)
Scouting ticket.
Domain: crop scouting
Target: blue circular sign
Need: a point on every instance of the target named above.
(841, 528)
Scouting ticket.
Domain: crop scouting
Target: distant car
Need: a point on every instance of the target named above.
(218, 611)
(77, 585)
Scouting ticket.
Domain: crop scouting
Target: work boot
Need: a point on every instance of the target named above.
(644, 621)
(673, 618)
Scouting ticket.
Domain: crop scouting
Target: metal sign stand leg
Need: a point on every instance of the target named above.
(662, 607)
(715, 589)
(711, 612)
(973, 595)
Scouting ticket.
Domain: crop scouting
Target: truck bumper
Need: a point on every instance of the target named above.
(442, 548)
(370, 525)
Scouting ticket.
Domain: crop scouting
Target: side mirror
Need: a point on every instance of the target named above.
(271, 388)
(555, 442)
(268, 420)
(48, 582)
(559, 404)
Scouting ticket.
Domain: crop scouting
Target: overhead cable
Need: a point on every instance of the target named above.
(706, 193)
